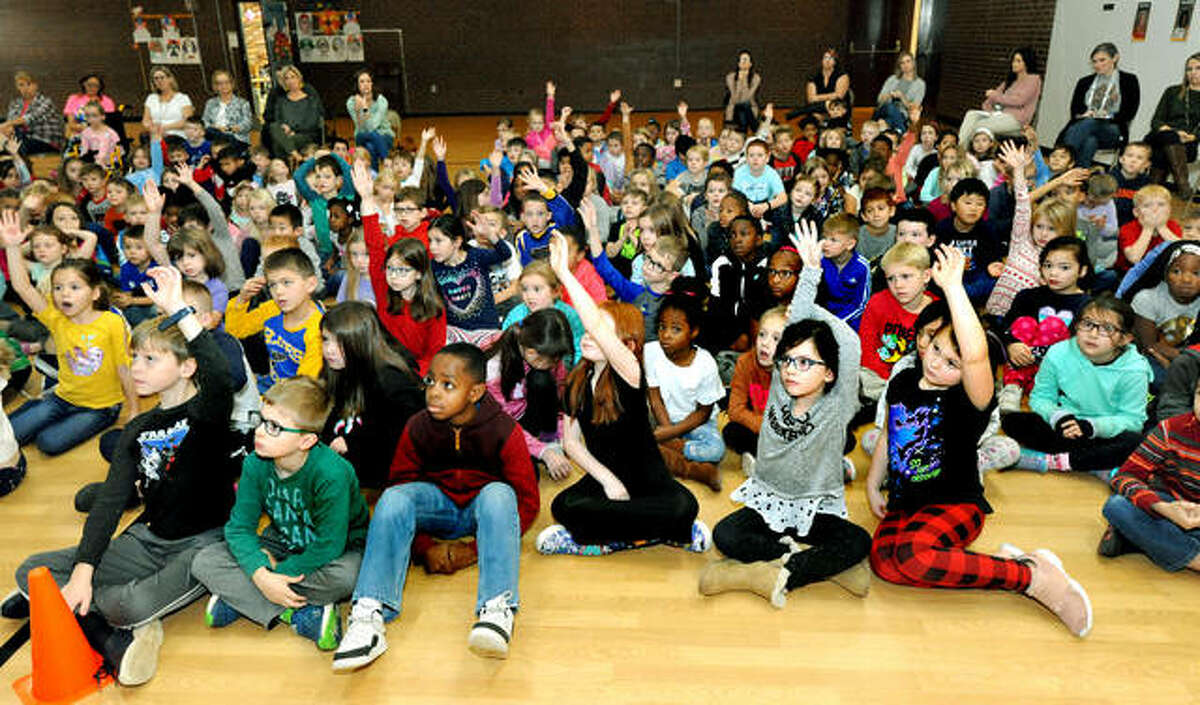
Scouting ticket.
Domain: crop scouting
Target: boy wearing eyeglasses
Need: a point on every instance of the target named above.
(887, 329)
(176, 456)
(306, 560)
(461, 469)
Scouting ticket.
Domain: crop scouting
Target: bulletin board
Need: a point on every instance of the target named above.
(329, 36)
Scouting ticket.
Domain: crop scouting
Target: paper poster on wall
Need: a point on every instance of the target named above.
(190, 51)
(275, 28)
(329, 36)
(1183, 20)
(158, 51)
(170, 30)
(1141, 20)
(141, 33)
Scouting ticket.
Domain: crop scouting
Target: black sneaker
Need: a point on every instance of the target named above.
(15, 606)
(1113, 544)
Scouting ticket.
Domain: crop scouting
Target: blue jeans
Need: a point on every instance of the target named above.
(1171, 547)
(704, 443)
(421, 507)
(894, 114)
(58, 425)
(1089, 135)
(378, 144)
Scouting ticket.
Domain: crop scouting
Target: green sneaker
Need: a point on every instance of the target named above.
(320, 623)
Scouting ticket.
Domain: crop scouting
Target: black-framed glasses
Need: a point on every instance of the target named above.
(652, 264)
(1094, 326)
(272, 428)
(799, 363)
(782, 273)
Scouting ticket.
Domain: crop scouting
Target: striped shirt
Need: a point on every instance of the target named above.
(1167, 461)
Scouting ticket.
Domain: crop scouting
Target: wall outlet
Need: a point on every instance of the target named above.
(679, 83)
(231, 38)
(433, 88)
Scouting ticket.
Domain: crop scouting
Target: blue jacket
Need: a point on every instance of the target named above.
(845, 292)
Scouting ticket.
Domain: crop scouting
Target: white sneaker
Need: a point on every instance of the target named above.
(490, 635)
(870, 439)
(140, 661)
(849, 472)
(1009, 399)
(364, 640)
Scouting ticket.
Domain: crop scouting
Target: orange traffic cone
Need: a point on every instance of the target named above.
(65, 667)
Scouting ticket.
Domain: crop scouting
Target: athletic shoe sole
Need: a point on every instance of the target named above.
(140, 661)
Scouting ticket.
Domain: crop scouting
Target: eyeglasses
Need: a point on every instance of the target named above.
(781, 273)
(273, 429)
(394, 271)
(1093, 326)
(407, 209)
(798, 363)
(651, 263)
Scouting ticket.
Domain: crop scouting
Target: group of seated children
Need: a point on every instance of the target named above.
(624, 304)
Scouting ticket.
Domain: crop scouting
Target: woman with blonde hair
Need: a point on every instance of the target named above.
(166, 107)
(296, 116)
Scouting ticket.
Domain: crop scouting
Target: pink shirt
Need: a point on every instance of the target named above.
(542, 142)
(75, 103)
(1019, 100)
(102, 141)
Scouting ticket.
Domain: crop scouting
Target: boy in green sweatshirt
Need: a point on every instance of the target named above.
(307, 558)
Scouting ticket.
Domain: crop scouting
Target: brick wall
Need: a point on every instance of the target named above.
(481, 60)
(977, 40)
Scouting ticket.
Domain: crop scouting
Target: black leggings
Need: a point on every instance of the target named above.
(836, 544)
(1086, 454)
(665, 512)
(739, 438)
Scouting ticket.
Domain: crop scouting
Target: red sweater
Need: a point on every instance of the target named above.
(1168, 460)
(462, 461)
(421, 232)
(422, 338)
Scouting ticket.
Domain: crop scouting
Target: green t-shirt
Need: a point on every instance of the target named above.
(318, 511)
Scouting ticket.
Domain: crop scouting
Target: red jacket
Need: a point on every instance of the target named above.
(462, 461)
(422, 338)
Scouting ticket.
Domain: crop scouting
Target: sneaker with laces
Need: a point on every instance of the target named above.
(491, 633)
(997, 453)
(701, 537)
(218, 613)
(556, 540)
(364, 640)
(319, 623)
(15, 606)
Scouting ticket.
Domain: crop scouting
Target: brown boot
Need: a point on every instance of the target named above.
(767, 579)
(855, 580)
(706, 473)
(1177, 158)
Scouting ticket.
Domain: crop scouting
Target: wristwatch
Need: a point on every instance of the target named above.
(176, 317)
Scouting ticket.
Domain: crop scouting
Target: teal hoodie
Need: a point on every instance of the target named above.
(1112, 397)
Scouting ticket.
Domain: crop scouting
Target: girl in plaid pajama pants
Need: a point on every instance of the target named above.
(927, 453)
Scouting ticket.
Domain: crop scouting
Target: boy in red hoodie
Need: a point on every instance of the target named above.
(461, 468)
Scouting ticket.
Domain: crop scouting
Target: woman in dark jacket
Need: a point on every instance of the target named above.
(1101, 106)
(1175, 127)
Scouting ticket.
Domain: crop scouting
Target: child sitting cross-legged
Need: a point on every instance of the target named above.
(462, 468)
(737, 277)
(927, 455)
(886, 330)
(1167, 311)
(1089, 396)
(176, 456)
(846, 278)
(1156, 509)
(306, 559)
(794, 528)
(683, 385)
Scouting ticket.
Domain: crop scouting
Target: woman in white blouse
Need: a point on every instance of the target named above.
(166, 106)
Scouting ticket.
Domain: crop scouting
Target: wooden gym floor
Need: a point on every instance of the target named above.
(631, 627)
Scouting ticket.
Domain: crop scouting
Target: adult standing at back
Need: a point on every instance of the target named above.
(32, 118)
(369, 111)
(166, 107)
(903, 89)
(1010, 106)
(1175, 127)
(741, 87)
(227, 114)
(1101, 106)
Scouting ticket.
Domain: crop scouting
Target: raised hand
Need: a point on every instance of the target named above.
(428, 133)
(626, 110)
(439, 148)
(10, 229)
(559, 261)
(364, 184)
(682, 109)
(768, 112)
(615, 95)
(807, 243)
(949, 267)
(153, 198)
(550, 88)
(495, 158)
(167, 292)
(186, 177)
(587, 213)
(1014, 156)
(530, 180)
